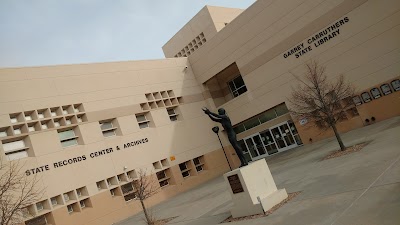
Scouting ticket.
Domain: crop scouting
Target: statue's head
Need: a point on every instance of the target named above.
(221, 111)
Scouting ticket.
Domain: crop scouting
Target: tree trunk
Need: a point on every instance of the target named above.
(148, 220)
(338, 138)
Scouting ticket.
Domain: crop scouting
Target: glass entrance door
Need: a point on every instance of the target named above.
(283, 136)
(255, 146)
(269, 142)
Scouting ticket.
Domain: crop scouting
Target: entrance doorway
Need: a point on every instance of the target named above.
(276, 139)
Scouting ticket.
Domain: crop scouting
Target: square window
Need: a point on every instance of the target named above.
(386, 89)
(82, 203)
(366, 97)
(396, 85)
(142, 121)
(107, 128)
(186, 174)
(237, 86)
(14, 120)
(44, 126)
(164, 183)
(375, 93)
(31, 128)
(68, 138)
(17, 130)
(112, 192)
(40, 115)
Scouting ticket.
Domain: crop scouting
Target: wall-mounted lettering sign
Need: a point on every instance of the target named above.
(82, 158)
(317, 39)
(236, 186)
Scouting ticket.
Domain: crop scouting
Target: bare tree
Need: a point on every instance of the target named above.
(17, 191)
(321, 100)
(145, 187)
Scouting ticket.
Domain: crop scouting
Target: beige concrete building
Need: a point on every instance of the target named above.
(86, 130)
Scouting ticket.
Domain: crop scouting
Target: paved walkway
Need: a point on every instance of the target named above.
(362, 188)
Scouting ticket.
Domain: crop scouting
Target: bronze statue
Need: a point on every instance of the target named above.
(222, 118)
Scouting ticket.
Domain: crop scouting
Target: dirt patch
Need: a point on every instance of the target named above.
(164, 221)
(269, 212)
(348, 150)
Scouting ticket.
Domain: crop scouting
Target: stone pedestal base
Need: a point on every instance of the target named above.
(250, 183)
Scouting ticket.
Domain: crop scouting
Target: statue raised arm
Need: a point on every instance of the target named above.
(222, 118)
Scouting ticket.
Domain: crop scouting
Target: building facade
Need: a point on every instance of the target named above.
(86, 130)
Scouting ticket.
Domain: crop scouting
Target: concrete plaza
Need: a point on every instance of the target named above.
(362, 188)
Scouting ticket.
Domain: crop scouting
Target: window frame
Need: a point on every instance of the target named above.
(19, 151)
(369, 96)
(145, 121)
(387, 92)
(397, 82)
(373, 95)
(232, 81)
(64, 140)
(108, 130)
(174, 116)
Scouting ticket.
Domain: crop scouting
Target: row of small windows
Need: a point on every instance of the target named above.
(257, 120)
(375, 93)
(187, 169)
(17, 149)
(122, 185)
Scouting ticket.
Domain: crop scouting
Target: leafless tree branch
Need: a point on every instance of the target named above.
(320, 100)
(17, 192)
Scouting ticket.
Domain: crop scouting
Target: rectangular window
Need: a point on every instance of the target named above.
(127, 188)
(162, 177)
(39, 206)
(68, 138)
(184, 169)
(173, 115)
(107, 128)
(54, 201)
(198, 163)
(70, 209)
(142, 121)
(237, 86)
(82, 203)
(281, 109)
(15, 150)
(66, 197)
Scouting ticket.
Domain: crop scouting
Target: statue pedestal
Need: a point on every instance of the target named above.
(250, 184)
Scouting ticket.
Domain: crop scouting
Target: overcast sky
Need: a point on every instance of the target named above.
(49, 32)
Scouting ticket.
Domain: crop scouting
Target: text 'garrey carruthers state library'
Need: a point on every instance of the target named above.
(86, 129)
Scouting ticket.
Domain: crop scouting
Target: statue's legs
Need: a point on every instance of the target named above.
(238, 150)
